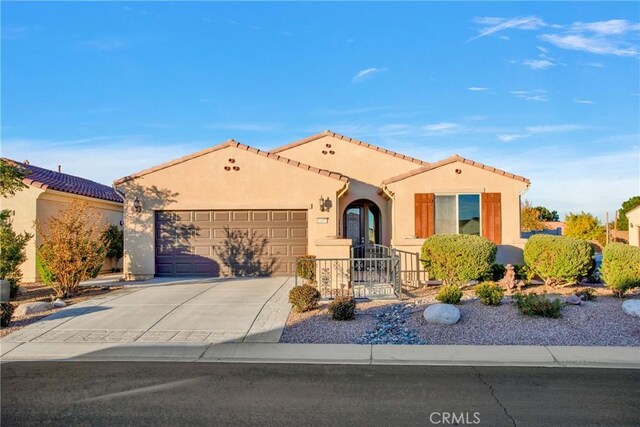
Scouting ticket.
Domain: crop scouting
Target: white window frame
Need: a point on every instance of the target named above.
(458, 208)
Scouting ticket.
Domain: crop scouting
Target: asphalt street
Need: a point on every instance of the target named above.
(167, 393)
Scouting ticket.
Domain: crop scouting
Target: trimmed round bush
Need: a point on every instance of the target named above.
(490, 293)
(558, 260)
(306, 268)
(621, 267)
(449, 294)
(458, 258)
(304, 298)
(343, 308)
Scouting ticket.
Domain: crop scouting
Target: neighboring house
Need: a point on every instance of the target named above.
(46, 193)
(634, 226)
(319, 196)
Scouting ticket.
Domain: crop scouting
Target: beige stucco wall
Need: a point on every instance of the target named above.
(444, 180)
(365, 167)
(202, 183)
(634, 226)
(35, 203)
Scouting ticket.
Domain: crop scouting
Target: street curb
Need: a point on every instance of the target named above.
(351, 354)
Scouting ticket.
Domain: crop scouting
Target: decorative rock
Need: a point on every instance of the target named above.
(631, 307)
(22, 290)
(445, 314)
(59, 303)
(391, 328)
(573, 299)
(31, 308)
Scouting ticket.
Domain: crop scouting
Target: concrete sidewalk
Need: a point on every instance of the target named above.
(455, 355)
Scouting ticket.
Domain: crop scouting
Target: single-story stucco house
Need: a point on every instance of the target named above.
(319, 196)
(46, 194)
(634, 226)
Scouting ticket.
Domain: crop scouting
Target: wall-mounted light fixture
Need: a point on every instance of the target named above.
(137, 205)
(325, 204)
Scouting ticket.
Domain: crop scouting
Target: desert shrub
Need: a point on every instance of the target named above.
(12, 252)
(538, 305)
(458, 258)
(557, 259)
(113, 238)
(523, 273)
(343, 308)
(306, 268)
(304, 298)
(72, 246)
(6, 312)
(449, 294)
(46, 276)
(490, 293)
(586, 294)
(621, 267)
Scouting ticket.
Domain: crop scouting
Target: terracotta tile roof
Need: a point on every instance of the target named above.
(48, 179)
(354, 141)
(452, 159)
(232, 143)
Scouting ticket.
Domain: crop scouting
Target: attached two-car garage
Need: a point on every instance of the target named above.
(229, 242)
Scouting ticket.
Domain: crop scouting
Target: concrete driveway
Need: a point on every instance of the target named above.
(161, 311)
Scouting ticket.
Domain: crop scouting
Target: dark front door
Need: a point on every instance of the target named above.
(362, 223)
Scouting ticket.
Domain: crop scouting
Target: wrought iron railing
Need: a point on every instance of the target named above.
(412, 272)
(370, 251)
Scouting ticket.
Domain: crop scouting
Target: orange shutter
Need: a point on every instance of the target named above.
(425, 215)
(492, 217)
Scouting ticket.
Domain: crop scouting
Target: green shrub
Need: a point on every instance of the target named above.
(306, 268)
(46, 276)
(621, 267)
(449, 294)
(343, 308)
(495, 274)
(538, 305)
(458, 258)
(304, 298)
(523, 273)
(558, 259)
(490, 293)
(6, 312)
(586, 294)
(12, 251)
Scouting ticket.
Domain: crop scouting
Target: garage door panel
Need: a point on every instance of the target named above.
(189, 242)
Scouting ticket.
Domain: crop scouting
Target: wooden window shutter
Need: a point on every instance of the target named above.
(425, 214)
(492, 217)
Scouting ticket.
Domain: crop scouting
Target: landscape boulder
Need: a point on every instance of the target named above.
(59, 303)
(445, 314)
(632, 307)
(573, 299)
(31, 308)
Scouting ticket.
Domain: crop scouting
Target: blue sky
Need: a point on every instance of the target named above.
(548, 90)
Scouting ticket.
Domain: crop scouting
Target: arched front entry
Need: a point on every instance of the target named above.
(362, 222)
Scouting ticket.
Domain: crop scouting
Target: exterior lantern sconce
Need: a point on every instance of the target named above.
(137, 205)
(325, 204)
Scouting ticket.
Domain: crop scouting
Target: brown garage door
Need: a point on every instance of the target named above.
(229, 243)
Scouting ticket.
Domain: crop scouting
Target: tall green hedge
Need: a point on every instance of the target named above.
(458, 258)
(621, 267)
(558, 259)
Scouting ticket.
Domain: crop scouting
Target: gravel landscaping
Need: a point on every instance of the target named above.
(600, 322)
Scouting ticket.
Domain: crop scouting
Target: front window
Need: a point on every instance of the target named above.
(457, 214)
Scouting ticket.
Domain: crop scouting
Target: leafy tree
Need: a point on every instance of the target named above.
(585, 226)
(72, 247)
(113, 238)
(623, 222)
(530, 217)
(547, 215)
(12, 252)
(10, 178)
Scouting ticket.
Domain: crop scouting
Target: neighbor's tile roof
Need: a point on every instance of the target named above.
(48, 179)
(232, 143)
(449, 160)
(351, 140)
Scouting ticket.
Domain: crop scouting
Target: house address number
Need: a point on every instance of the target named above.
(322, 220)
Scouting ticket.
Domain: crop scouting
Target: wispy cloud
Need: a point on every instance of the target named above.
(245, 127)
(439, 128)
(511, 137)
(597, 45)
(538, 64)
(538, 95)
(367, 73)
(583, 101)
(554, 128)
(493, 25)
(477, 89)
